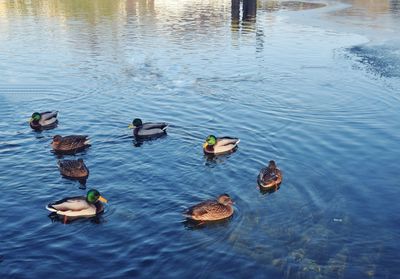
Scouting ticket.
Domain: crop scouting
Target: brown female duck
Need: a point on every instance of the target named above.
(73, 169)
(69, 144)
(270, 176)
(211, 210)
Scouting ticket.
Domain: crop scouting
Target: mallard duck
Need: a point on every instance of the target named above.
(80, 206)
(69, 144)
(148, 130)
(43, 120)
(270, 176)
(73, 169)
(211, 210)
(214, 145)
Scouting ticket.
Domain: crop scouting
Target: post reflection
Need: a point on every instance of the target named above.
(243, 20)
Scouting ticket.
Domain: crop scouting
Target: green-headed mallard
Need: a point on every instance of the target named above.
(270, 176)
(69, 144)
(211, 210)
(149, 129)
(43, 120)
(73, 169)
(80, 206)
(214, 145)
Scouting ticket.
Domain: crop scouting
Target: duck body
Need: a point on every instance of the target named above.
(269, 178)
(150, 130)
(43, 120)
(75, 207)
(222, 145)
(70, 144)
(75, 169)
(211, 210)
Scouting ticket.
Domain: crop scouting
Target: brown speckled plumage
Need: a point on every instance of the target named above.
(73, 168)
(211, 210)
(270, 176)
(69, 143)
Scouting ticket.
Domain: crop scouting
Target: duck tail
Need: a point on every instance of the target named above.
(50, 207)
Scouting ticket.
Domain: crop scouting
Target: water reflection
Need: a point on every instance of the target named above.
(273, 6)
(55, 218)
(198, 225)
(269, 191)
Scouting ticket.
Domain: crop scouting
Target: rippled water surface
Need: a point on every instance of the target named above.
(314, 86)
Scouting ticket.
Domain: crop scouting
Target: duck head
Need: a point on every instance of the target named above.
(272, 165)
(35, 117)
(137, 122)
(225, 199)
(93, 196)
(56, 140)
(211, 140)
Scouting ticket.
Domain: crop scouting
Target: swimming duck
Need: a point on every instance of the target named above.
(69, 144)
(73, 169)
(270, 176)
(211, 210)
(80, 206)
(43, 120)
(147, 130)
(214, 145)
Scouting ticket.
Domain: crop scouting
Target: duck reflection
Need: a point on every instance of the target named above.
(268, 191)
(190, 224)
(55, 218)
(212, 160)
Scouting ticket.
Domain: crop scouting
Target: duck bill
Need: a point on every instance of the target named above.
(30, 120)
(205, 145)
(103, 200)
(130, 126)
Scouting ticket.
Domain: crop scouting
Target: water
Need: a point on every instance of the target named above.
(315, 89)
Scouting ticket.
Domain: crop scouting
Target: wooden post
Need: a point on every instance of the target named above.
(235, 10)
(249, 9)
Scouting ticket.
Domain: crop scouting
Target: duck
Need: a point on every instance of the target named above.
(80, 206)
(69, 144)
(215, 146)
(149, 129)
(43, 120)
(73, 169)
(211, 210)
(269, 176)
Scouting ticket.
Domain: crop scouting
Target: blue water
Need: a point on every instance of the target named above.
(312, 89)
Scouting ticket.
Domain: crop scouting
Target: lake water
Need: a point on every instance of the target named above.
(314, 87)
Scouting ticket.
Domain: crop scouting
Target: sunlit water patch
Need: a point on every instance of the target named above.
(383, 60)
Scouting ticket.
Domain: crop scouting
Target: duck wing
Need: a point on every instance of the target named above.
(224, 141)
(152, 129)
(73, 206)
(225, 145)
(48, 118)
(209, 210)
(74, 142)
(151, 125)
(70, 203)
(73, 168)
(199, 209)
